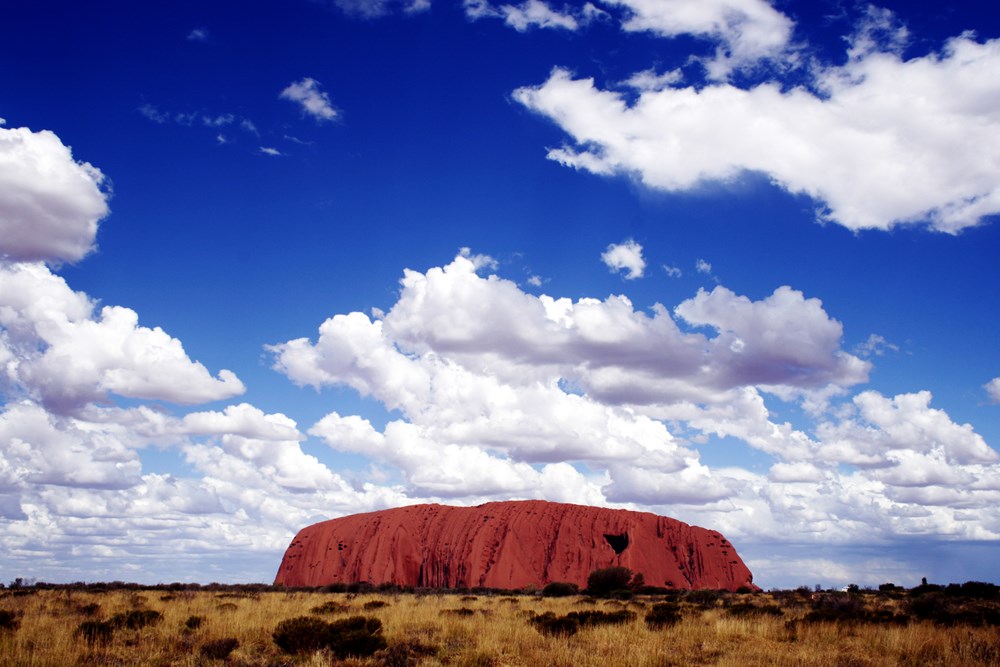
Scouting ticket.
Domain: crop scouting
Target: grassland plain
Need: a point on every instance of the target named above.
(158, 627)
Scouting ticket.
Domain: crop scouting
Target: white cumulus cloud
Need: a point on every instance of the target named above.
(745, 30)
(888, 141)
(993, 389)
(67, 355)
(484, 374)
(625, 257)
(50, 203)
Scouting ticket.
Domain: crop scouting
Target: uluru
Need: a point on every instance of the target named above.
(509, 545)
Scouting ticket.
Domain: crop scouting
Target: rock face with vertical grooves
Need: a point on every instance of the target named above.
(508, 545)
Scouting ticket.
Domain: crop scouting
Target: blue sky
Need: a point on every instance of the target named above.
(731, 262)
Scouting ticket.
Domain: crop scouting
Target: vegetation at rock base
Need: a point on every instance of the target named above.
(560, 589)
(255, 626)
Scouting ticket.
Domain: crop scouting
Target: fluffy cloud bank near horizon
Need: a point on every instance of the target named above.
(877, 142)
(515, 405)
(489, 379)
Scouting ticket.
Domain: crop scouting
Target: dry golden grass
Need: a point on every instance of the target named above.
(497, 633)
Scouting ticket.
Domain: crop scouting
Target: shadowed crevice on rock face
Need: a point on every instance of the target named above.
(618, 542)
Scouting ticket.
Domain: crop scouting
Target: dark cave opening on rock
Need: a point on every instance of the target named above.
(618, 542)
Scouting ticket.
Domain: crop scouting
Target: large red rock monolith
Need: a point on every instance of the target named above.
(508, 545)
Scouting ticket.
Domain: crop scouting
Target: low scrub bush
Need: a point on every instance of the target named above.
(89, 609)
(705, 598)
(750, 609)
(8, 620)
(376, 604)
(477, 659)
(461, 611)
(331, 607)
(135, 619)
(550, 624)
(591, 617)
(98, 632)
(404, 654)
(560, 589)
(95, 632)
(663, 615)
(941, 609)
(302, 634)
(355, 636)
(219, 649)
(849, 609)
(556, 626)
(193, 622)
(608, 581)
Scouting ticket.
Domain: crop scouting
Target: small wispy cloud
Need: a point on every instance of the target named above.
(214, 121)
(267, 150)
(313, 101)
(199, 34)
(218, 121)
(875, 346)
(672, 271)
(153, 114)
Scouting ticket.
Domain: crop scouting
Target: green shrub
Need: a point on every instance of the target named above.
(662, 615)
(560, 589)
(219, 649)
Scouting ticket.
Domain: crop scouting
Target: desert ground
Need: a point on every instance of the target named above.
(180, 624)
